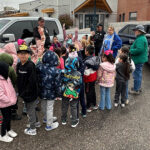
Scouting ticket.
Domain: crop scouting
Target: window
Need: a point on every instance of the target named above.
(3, 23)
(128, 30)
(120, 18)
(132, 16)
(51, 25)
(21, 29)
(123, 17)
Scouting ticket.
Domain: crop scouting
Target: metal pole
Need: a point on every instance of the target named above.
(94, 15)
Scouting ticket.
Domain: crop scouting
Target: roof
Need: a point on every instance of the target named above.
(102, 4)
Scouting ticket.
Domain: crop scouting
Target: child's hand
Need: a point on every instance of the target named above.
(64, 25)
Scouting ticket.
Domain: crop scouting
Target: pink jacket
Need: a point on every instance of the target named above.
(106, 74)
(7, 93)
(11, 49)
(61, 66)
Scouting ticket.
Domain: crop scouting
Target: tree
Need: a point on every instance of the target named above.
(66, 19)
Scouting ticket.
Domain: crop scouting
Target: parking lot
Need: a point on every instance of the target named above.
(118, 129)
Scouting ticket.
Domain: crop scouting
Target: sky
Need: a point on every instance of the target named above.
(11, 3)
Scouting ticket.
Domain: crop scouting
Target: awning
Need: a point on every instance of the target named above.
(101, 4)
(18, 15)
(47, 10)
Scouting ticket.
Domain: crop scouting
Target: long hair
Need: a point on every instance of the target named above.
(124, 59)
(110, 58)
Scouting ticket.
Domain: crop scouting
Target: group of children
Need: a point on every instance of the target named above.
(65, 74)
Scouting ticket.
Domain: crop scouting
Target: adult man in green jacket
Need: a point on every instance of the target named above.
(139, 54)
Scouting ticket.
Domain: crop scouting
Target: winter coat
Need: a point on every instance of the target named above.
(71, 79)
(61, 66)
(27, 81)
(8, 59)
(58, 45)
(11, 49)
(139, 50)
(91, 65)
(106, 74)
(7, 93)
(49, 77)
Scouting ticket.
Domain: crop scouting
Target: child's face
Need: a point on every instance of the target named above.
(120, 60)
(55, 40)
(104, 59)
(23, 56)
(86, 53)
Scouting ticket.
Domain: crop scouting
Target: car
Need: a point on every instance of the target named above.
(14, 28)
(128, 37)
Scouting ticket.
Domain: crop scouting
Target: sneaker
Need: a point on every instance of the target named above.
(132, 91)
(116, 104)
(52, 127)
(24, 113)
(122, 105)
(54, 120)
(12, 134)
(37, 125)
(84, 116)
(64, 122)
(6, 138)
(30, 131)
(89, 110)
(95, 107)
(75, 125)
(127, 102)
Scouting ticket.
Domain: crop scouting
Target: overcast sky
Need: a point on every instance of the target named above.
(12, 3)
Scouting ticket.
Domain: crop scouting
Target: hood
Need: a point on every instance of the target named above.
(6, 58)
(108, 66)
(4, 70)
(10, 48)
(50, 58)
(73, 54)
(72, 64)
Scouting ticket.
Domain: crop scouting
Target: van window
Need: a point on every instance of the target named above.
(128, 30)
(3, 23)
(21, 29)
(51, 25)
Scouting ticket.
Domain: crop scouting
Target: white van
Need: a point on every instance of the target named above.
(14, 28)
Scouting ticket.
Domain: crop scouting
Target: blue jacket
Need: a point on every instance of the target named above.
(49, 77)
(116, 45)
(71, 78)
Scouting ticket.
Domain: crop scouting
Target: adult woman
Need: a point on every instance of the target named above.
(111, 42)
(139, 54)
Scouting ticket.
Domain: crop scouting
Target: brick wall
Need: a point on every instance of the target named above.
(142, 8)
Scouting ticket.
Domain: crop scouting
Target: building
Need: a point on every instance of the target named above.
(82, 11)
(133, 10)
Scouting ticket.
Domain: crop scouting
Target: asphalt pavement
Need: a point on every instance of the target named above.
(118, 129)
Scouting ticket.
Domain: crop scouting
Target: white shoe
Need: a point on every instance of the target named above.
(122, 105)
(30, 131)
(45, 121)
(95, 107)
(75, 125)
(6, 138)
(127, 102)
(12, 134)
(89, 110)
(52, 127)
(116, 104)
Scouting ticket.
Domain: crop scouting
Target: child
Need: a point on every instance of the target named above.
(122, 76)
(55, 43)
(64, 53)
(125, 50)
(106, 76)
(27, 87)
(90, 75)
(61, 60)
(71, 87)
(50, 87)
(7, 99)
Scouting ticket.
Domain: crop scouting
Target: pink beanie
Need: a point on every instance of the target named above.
(20, 41)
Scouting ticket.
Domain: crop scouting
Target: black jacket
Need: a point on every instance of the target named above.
(27, 81)
(120, 72)
(37, 35)
(98, 39)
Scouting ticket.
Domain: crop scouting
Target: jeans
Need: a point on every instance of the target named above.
(48, 108)
(31, 112)
(120, 90)
(90, 94)
(105, 98)
(137, 76)
(127, 90)
(6, 124)
(73, 106)
(82, 101)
